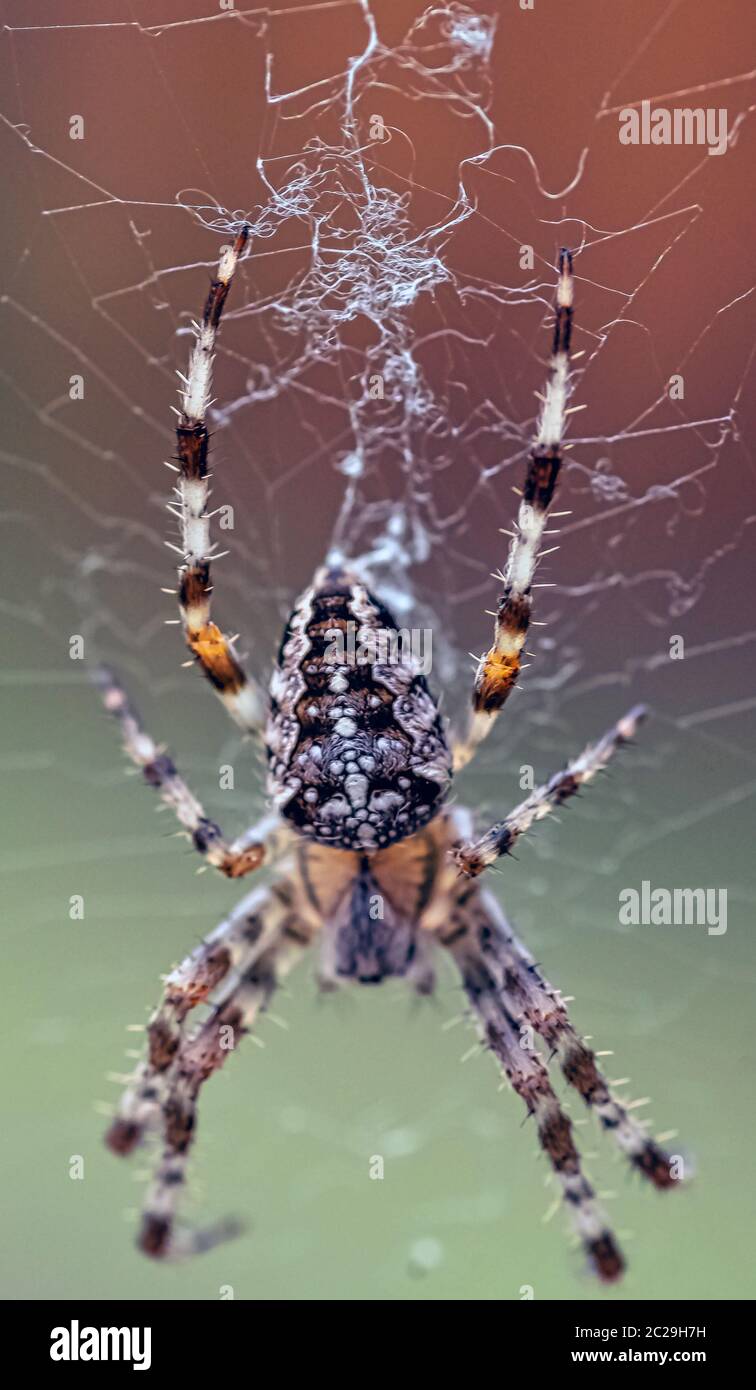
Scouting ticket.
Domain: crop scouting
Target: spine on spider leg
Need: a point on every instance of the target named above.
(204, 638)
(498, 670)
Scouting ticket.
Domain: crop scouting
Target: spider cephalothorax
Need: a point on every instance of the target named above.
(357, 752)
(371, 862)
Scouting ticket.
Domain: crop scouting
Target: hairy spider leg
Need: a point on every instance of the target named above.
(500, 1031)
(235, 943)
(254, 848)
(202, 1054)
(532, 1001)
(472, 858)
(213, 651)
(498, 670)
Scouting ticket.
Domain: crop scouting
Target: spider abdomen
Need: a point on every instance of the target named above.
(357, 752)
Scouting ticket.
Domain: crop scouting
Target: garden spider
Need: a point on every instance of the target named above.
(371, 859)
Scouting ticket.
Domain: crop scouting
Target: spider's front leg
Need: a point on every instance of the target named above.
(472, 858)
(498, 670)
(255, 847)
(213, 651)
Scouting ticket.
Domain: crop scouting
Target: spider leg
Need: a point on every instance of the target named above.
(202, 1054)
(472, 858)
(213, 651)
(234, 945)
(499, 1027)
(533, 1002)
(256, 846)
(498, 670)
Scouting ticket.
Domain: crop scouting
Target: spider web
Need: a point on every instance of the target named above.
(409, 174)
(388, 207)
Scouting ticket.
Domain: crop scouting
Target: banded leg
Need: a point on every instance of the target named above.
(255, 847)
(214, 652)
(199, 1057)
(528, 1076)
(235, 944)
(498, 670)
(474, 857)
(532, 1001)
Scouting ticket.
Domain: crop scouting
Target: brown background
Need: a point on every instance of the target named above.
(659, 544)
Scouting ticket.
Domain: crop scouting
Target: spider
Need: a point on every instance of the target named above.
(372, 861)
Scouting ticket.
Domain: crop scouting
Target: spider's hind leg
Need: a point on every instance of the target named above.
(541, 1007)
(513, 1005)
(244, 997)
(233, 945)
(501, 1032)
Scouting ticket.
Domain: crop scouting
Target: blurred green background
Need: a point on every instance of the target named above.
(287, 1131)
(286, 1134)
